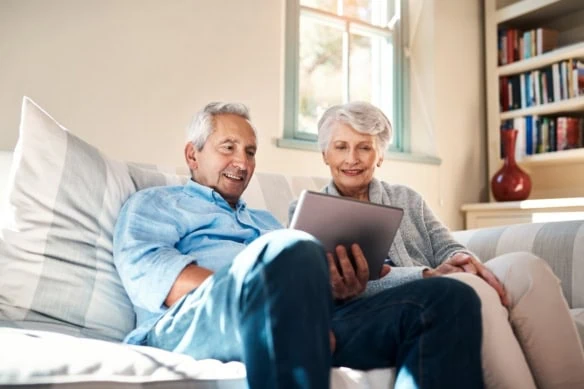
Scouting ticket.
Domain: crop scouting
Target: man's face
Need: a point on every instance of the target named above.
(227, 160)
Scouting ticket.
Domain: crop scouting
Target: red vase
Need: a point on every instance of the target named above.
(510, 183)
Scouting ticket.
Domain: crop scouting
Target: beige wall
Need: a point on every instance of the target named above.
(126, 76)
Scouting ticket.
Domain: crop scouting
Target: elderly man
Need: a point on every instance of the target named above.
(210, 278)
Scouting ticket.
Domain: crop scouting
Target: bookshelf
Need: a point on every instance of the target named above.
(547, 170)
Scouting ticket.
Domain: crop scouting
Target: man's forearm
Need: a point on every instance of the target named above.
(189, 278)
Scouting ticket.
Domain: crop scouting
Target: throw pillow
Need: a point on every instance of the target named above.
(56, 264)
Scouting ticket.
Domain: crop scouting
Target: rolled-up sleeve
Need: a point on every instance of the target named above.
(144, 251)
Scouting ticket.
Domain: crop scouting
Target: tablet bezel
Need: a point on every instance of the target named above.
(337, 220)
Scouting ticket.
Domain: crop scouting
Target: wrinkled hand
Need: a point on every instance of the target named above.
(462, 262)
(385, 269)
(348, 281)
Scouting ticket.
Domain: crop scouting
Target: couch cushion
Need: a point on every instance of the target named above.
(560, 244)
(56, 242)
(29, 358)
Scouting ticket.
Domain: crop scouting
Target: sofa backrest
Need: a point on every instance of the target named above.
(274, 192)
(270, 191)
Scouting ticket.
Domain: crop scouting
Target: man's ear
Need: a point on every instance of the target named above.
(190, 156)
(380, 162)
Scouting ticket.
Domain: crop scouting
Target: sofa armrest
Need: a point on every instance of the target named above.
(560, 244)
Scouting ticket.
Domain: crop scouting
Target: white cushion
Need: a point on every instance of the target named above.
(38, 357)
(56, 264)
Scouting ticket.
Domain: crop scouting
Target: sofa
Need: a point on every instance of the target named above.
(63, 310)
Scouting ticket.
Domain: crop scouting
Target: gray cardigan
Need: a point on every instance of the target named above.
(422, 241)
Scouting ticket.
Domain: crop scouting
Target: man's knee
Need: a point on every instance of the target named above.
(290, 252)
(455, 295)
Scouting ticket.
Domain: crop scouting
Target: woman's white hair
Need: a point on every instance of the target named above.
(203, 122)
(363, 117)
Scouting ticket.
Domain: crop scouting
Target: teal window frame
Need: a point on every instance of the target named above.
(401, 75)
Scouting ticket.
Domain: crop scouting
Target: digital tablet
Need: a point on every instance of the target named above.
(335, 220)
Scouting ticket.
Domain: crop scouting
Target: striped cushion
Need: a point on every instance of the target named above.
(56, 262)
(561, 244)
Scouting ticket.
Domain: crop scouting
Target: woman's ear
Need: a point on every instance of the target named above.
(379, 162)
(190, 156)
(324, 158)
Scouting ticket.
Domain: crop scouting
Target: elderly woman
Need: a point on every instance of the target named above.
(529, 337)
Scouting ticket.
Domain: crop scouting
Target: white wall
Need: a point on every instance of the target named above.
(127, 75)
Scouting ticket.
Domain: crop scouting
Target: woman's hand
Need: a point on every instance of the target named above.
(462, 262)
(347, 280)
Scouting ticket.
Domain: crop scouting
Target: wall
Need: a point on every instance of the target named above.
(127, 75)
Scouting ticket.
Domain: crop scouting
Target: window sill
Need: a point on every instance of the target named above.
(390, 155)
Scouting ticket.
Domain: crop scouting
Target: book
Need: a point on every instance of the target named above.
(523, 90)
(552, 135)
(561, 133)
(579, 76)
(529, 135)
(557, 92)
(572, 133)
(519, 125)
(547, 39)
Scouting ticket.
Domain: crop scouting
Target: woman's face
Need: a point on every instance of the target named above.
(352, 158)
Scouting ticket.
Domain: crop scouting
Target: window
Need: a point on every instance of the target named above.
(344, 50)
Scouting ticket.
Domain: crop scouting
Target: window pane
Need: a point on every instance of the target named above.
(361, 74)
(371, 74)
(370, 11)
(320, 71)
(325, 5)
(358, 9)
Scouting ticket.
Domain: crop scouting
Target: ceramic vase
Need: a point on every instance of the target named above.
(510, 183)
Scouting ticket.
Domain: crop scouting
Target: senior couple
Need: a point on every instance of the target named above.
(211, 278)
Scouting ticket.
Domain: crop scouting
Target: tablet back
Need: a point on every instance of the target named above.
(338, 220)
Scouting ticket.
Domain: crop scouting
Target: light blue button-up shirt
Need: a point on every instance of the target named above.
(161, 230)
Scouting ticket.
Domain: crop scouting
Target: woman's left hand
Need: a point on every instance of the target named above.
(470, 264)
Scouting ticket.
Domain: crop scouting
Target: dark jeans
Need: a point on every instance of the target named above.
(273, 308)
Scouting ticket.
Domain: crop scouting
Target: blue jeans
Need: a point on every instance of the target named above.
(273, 309)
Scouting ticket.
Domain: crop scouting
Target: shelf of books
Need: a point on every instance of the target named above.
(541, 81)
(548, 139)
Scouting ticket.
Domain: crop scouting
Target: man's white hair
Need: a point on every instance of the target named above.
(203, 122)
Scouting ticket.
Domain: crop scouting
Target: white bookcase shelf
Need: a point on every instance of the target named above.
(554, 158)
(536, 11)
(540, 61)
(575, 105)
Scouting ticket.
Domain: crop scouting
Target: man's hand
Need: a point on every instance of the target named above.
(348, 281)
(462, 262)
(332, 341)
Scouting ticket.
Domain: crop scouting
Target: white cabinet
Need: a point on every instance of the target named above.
(527, 211)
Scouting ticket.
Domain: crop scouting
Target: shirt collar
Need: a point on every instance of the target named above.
(193, 188)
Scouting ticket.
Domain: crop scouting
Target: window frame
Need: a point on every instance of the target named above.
(400, 121)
